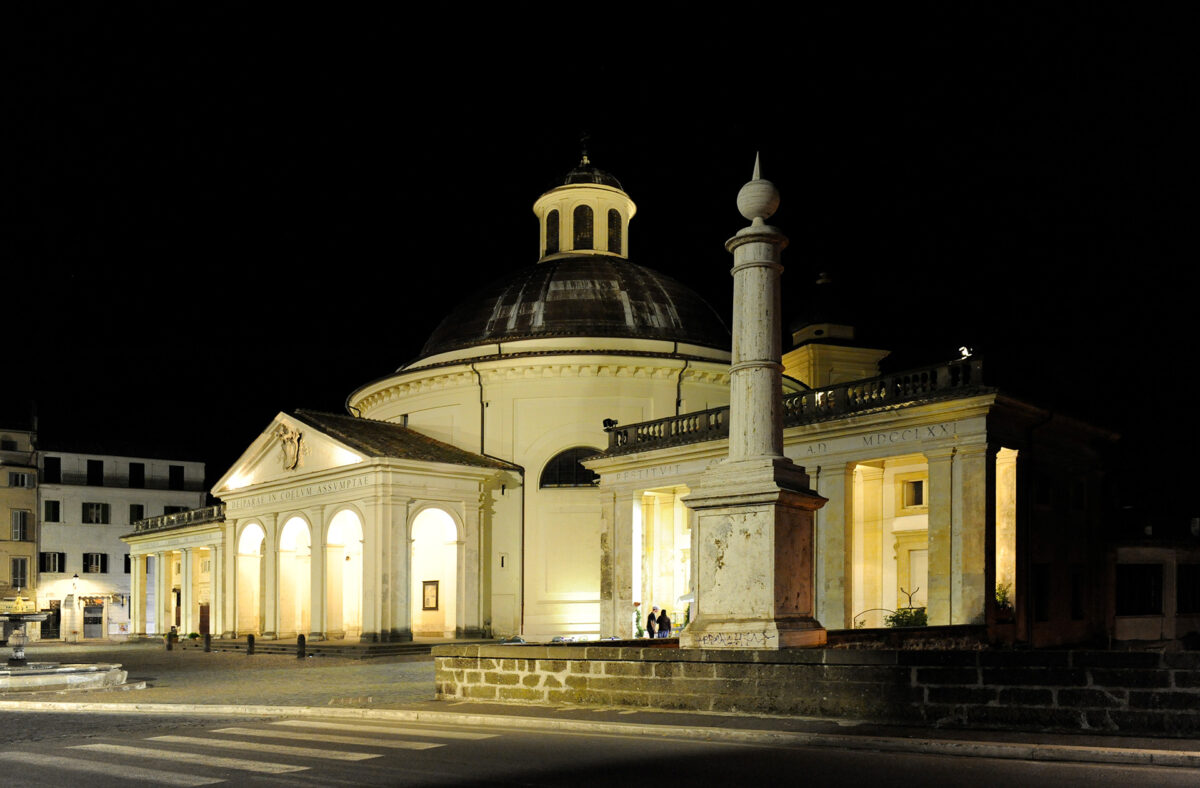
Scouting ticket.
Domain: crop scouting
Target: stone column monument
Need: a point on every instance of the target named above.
(754, 562)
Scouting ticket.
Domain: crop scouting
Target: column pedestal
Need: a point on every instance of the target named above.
(755, 566)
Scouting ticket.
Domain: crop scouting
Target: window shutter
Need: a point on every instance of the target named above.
(42, 562)
(62, 562)
(104, 563)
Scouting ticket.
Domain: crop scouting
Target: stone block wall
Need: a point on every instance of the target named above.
(1118, 692)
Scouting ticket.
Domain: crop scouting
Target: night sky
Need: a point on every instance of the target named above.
(212, 213)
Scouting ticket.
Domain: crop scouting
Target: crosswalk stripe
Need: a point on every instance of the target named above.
(130, 773)
(278, 749)
(179, 756)
(397, 731)
(363, 740)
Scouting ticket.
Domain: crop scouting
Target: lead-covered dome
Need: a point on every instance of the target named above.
(581, 296)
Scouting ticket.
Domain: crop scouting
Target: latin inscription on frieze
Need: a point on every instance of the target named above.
(296, 493)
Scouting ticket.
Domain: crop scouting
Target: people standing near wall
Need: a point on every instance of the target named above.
(652, 623)
(664, 624)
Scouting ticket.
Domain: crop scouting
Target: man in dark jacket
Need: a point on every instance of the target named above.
(652, 623)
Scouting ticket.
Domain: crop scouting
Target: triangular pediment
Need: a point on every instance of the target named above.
(287, 449)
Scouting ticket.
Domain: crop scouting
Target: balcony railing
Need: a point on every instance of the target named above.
(953, 379)
(209, 514)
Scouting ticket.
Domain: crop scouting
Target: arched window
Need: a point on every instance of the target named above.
(614, 230)
(552, 232)
(566, 470)
(583, 227)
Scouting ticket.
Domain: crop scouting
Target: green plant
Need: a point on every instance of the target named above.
(687, 615)
(193, 635)
(907, 617)
(637, 620)
(1004, 595)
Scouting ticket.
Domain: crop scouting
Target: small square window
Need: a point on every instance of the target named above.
(912, 493)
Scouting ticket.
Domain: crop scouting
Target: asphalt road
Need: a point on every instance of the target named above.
(54, 749)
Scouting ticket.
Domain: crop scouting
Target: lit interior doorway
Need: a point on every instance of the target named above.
(295, 573)
(434, 574)
(249, 579)
(344, 576)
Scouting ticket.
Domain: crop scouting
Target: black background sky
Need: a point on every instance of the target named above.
(212, 212)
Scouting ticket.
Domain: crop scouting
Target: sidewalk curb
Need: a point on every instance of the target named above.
(977, 749)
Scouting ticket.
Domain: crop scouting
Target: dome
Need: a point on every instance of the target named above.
(581, 295)
(586, 173)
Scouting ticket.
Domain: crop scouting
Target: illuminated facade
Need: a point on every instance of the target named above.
(460, 497)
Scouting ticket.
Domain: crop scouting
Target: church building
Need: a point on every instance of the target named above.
(527, 475)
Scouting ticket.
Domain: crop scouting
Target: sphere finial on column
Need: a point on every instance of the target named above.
(759, 199)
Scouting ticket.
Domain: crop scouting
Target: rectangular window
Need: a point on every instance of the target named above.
(95, 513)
(52, 470)
(17, 479)
(1187, 589)
(20, 572)
(8, 444)
(95, 563)
(137, 474)
(51, 511)
(137, 511)
(22, 525)
(127, 563)
(1139, 589)
(175, 477)
(52, 562)
(95, 473)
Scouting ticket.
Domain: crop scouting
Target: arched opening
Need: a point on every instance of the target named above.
(552, 233)
(249, 579)
(434, 574)
(584, 231)
(566, 469)
(614, 231)
(344, 576)
(295, 571)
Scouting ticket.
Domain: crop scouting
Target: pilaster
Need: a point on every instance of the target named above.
(187, 594)
(835, 522)
(941, 534)
(974, 531)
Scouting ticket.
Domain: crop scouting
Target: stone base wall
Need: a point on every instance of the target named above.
(1095, 691)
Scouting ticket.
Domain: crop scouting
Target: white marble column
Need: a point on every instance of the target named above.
(754, 578)
(163, 616)
(269, 585)
(216, 588)
(318, 592)
(137, 595)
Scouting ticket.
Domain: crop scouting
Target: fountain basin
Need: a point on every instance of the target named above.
(55, 677)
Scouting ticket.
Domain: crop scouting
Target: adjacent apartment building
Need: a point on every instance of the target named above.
(86, 502)
(18, 506)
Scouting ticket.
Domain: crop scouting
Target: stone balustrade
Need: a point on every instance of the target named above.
(952, 379)
(208, 514)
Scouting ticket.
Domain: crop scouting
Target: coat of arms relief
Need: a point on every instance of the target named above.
(292, 446)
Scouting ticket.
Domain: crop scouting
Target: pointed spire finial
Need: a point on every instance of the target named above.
(583, 145)
(759, 198)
